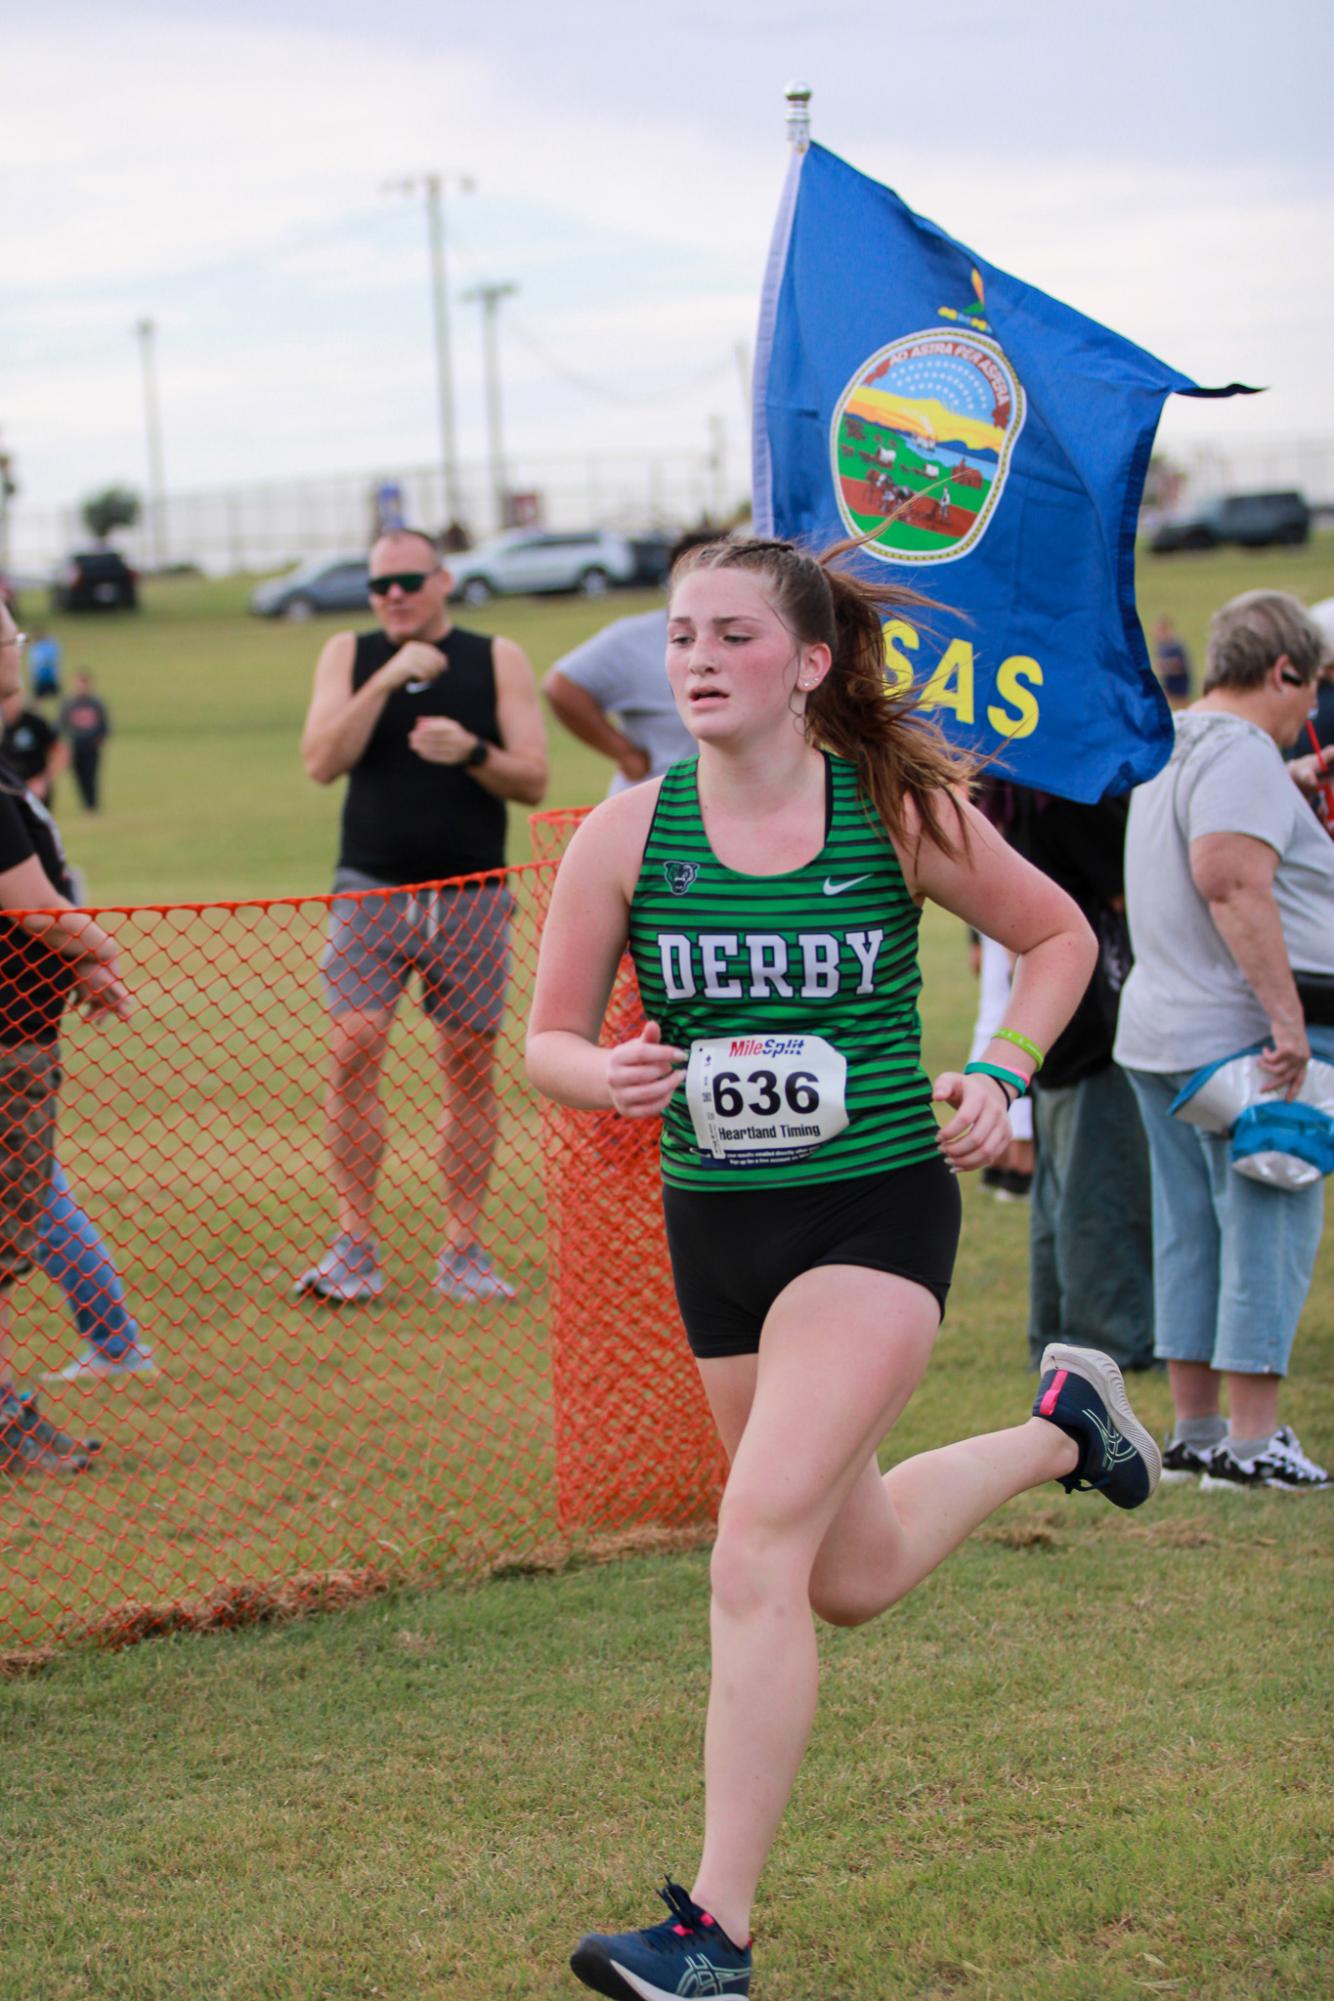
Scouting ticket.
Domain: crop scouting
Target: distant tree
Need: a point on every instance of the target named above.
(115, 507)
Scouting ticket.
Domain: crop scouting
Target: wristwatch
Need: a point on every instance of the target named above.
(479, 753)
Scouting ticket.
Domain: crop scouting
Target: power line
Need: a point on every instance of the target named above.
(601, 390)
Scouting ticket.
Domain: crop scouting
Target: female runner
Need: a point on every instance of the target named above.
(771, 894)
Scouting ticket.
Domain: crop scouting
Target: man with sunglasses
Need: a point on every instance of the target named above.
(435, 730)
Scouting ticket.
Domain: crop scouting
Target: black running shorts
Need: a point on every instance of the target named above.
(733, 1251)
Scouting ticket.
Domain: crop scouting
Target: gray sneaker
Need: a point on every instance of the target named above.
(92, 1366)
(348, 1272)
(465, 1273)
(30, 1443)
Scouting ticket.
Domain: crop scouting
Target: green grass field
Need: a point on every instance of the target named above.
(1085, 1762)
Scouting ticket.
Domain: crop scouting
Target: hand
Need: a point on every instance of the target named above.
(642, 1074)
(633, 763)
(417, 661)
(980, 1134)
(101, 990)
(1286, 1058)
(440, 740)
(1309, 773)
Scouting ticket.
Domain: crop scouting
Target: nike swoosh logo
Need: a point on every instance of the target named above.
(837, 888)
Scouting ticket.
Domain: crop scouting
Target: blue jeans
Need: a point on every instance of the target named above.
(1232, 1258)
(69, 1250)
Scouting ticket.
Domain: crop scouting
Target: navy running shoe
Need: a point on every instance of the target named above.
(1081, 1390)
(688, 1954)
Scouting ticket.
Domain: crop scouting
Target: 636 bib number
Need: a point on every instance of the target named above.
(759, 1100)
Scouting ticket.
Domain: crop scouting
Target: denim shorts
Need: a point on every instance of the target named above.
(457, 940)
(1232, 1258)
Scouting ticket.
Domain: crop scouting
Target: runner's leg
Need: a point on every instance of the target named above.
(802, 1459)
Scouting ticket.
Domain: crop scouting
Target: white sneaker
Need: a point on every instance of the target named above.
(1281, 1463)
(347, 1273)
(467, 1273)
(92, 1366)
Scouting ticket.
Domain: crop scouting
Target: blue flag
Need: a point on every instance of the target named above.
(993, 443)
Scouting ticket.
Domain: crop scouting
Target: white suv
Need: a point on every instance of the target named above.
(526, 559)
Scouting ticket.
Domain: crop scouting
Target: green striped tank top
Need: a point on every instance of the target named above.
(795, 994)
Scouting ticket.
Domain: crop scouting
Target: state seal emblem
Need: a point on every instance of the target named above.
(921, 443)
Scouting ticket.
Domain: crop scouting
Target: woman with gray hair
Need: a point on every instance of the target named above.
(1230, 898)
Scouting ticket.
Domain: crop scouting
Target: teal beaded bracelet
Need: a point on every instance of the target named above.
(1020, 1041)
(1001, 1076)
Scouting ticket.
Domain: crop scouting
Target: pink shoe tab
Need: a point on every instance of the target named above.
(1052, 1396)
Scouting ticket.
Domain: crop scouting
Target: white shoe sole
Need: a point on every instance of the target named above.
(335, 1296)
(1211, 1485)
(71, 1374)
(1102, 1372)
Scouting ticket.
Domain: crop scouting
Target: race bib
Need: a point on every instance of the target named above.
(760, 1100)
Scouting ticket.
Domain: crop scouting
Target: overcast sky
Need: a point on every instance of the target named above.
(1161, 164)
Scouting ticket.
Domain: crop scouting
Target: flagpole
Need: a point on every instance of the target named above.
(798, 100)
(798, 97)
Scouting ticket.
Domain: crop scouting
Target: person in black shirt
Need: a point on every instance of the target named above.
(435, 730)
(32, 748)
(1090, 1240)
(85, 726)
(48, 950)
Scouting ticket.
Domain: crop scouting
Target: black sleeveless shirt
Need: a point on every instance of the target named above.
(405, 819)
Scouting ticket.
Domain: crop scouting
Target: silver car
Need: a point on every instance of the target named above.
(321, 583)
(528, 559)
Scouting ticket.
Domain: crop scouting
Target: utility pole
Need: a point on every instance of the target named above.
(146, 333)
(489, 298)
(718, 467)
(8, 488)
(433, 187)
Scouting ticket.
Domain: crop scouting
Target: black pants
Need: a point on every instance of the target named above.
(85, 758)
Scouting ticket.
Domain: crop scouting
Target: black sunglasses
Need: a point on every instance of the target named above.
(408, 581)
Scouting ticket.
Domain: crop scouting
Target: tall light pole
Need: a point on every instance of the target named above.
(146, 334)
(432, 187)
(489, 298)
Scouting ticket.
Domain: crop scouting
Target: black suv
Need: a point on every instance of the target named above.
(1252, 520)
(96, 580)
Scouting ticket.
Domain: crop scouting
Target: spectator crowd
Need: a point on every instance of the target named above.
(1163, 1232)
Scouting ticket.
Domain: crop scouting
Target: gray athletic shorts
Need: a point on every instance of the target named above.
(457, 939)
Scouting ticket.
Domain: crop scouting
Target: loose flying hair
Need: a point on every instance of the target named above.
(1251, 632)
(898, 753)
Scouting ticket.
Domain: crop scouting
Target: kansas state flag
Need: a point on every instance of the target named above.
(993, 444)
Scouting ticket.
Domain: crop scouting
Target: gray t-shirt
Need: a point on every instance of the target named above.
(1187, 1002)
(624, 669)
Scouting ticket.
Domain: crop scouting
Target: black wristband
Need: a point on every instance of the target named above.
(1011, 1098)
(479, 753)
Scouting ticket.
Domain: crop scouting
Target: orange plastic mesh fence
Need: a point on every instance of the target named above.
(285, 1442)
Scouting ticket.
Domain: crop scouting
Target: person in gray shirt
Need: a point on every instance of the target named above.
(1230, 900)
(612, 693)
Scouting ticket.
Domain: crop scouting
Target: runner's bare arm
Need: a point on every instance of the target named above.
(998, 892)
(582, 942)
